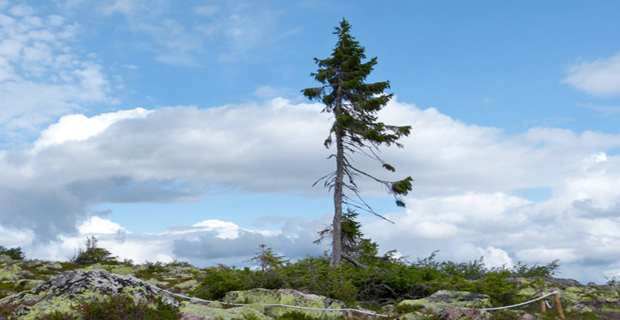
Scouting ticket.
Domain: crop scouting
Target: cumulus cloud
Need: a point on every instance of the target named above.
(599, 77)
(466, 202)
(77, 127)
(98, 225)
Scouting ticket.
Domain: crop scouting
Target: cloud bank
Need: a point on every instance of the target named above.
(470, 194)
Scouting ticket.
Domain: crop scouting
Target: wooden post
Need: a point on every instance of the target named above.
(558, 305)
(543, 305)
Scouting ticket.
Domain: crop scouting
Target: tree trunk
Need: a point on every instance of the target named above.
(338, 195)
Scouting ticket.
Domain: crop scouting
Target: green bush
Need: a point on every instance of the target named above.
(120, 307)
(151, 269)
(523, 270)
(14, 253)
(217, 282)
(124, 307)
(93, 254)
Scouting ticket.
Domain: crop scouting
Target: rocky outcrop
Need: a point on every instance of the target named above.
(289, 297)
(33, 287)
(63, 291)
(600, 301)
(450, 304)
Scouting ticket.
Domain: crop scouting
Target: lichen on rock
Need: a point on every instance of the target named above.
(444, 299)
(287, 297)
(63, 291)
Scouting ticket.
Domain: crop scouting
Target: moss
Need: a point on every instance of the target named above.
(27, 284)
(187, 285)
(286, 297)
(444, 299)
(10, 272)
(123, 270)
(224, 314)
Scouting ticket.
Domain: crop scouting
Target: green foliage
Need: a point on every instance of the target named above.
(150, 269)
(267, 260)
(473, 270)
(177, 263)
(613, 282)
(384, 280)
(14, 253)
(93, 254)
(119, 307)
(354, 245)
(57, 315)
(124, 307)
(217, 282)
(522, 270)
(297, 315)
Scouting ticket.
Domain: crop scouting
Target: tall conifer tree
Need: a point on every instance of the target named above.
(356, 129)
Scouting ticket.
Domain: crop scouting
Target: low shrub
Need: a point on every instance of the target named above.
(13, 253)
(119, 307)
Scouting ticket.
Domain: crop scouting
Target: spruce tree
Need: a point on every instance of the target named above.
(356, 129)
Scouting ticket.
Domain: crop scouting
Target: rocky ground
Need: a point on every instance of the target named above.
(30, 289)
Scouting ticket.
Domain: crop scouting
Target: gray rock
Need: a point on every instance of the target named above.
(62, 291)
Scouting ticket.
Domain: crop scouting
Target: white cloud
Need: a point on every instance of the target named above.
(97, 225)
(77, 127)
(465, 200)
(35, 57)
(599, 77)
(224, 229)
(495, 257)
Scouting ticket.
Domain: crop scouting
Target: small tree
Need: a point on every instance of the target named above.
(356, 128)
(267, 260)
(92, 254)
(13, 253)
(355, 248)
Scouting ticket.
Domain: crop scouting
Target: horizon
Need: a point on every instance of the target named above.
(179, 132)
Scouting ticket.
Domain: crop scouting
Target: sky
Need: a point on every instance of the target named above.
(177, 130)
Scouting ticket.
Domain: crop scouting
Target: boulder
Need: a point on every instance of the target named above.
(53, 265)
(287, 297)
(62, 291)
(443, 299)
(575, 297)
(463, 313)
(196, 311)
(10, 272)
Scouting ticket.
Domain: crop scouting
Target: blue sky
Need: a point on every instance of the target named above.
(178, 131)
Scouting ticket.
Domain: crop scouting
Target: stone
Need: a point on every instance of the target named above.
(462, 313)
(28, 284)
(62, 291)
(10, 272)
(574, 296)
(287, 297)
(200, 311)
(53, 265)
(187, 285)
(444, 299)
